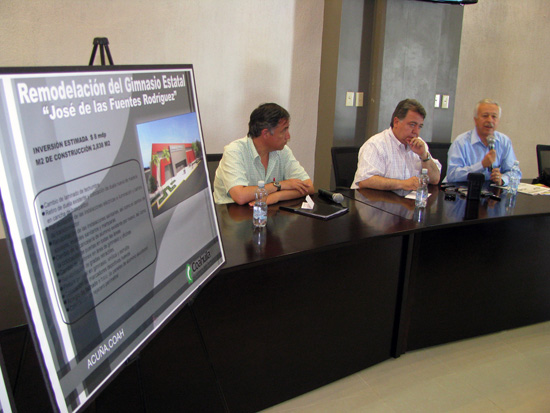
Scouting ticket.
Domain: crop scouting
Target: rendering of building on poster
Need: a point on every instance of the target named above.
(108, 209)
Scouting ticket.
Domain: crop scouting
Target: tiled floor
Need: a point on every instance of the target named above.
(502, 372)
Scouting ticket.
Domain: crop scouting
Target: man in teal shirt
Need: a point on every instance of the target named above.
(262, 155)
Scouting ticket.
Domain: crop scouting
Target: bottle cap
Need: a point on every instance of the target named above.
(261, 184)
(424, 170)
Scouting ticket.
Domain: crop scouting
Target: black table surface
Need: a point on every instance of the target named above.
(374, 214)
(440, 212)
(288, 233)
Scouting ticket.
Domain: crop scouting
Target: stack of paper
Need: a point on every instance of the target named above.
(530, 189)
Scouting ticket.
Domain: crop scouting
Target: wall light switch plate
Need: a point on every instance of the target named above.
(349, 98)
(437, 100)
(445, 102)
(359, 99)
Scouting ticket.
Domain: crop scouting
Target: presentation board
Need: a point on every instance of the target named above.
(108, 209)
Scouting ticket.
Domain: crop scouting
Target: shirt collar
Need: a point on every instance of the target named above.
(252, 148)
(395, 142)
(476, 139)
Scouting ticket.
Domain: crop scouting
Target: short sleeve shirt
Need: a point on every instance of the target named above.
(241, 165)
(383, 155)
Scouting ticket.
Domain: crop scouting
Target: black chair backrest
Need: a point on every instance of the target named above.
(439, 151)
(543, 158)
(344, 163)
(212, 161)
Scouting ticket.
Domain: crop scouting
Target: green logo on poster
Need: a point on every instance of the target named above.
(189, 274)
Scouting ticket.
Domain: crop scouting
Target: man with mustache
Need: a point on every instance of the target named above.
(262, 155)
(473, 151)
(393, 159)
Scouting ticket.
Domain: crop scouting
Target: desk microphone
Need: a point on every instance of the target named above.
(491, 145)
(475, 182)
(333, 196)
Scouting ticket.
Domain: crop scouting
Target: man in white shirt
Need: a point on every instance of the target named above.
(393, 159)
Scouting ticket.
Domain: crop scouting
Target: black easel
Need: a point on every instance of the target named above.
(103, 42)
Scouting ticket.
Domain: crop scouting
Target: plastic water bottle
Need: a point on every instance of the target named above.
(260, 206)
(422, 190)
(259, 239)
(419, 215)
(514, 179)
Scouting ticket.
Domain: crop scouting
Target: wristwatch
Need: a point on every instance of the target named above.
(428, 158)
(277, 185)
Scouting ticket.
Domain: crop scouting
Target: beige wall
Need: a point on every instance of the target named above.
(249, 51)
(504, 56)
(245, 52)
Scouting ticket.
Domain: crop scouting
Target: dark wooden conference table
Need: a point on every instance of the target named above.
(305, 301)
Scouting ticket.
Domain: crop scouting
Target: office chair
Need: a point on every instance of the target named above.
(344, 163)
(439, 151)
(212, 162)
(543, 158)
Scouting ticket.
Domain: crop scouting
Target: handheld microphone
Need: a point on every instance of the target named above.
(333, 196)
(491, 142)
(491, 146)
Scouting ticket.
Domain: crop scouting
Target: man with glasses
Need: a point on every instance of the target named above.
(393, 158)
(262, 155)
